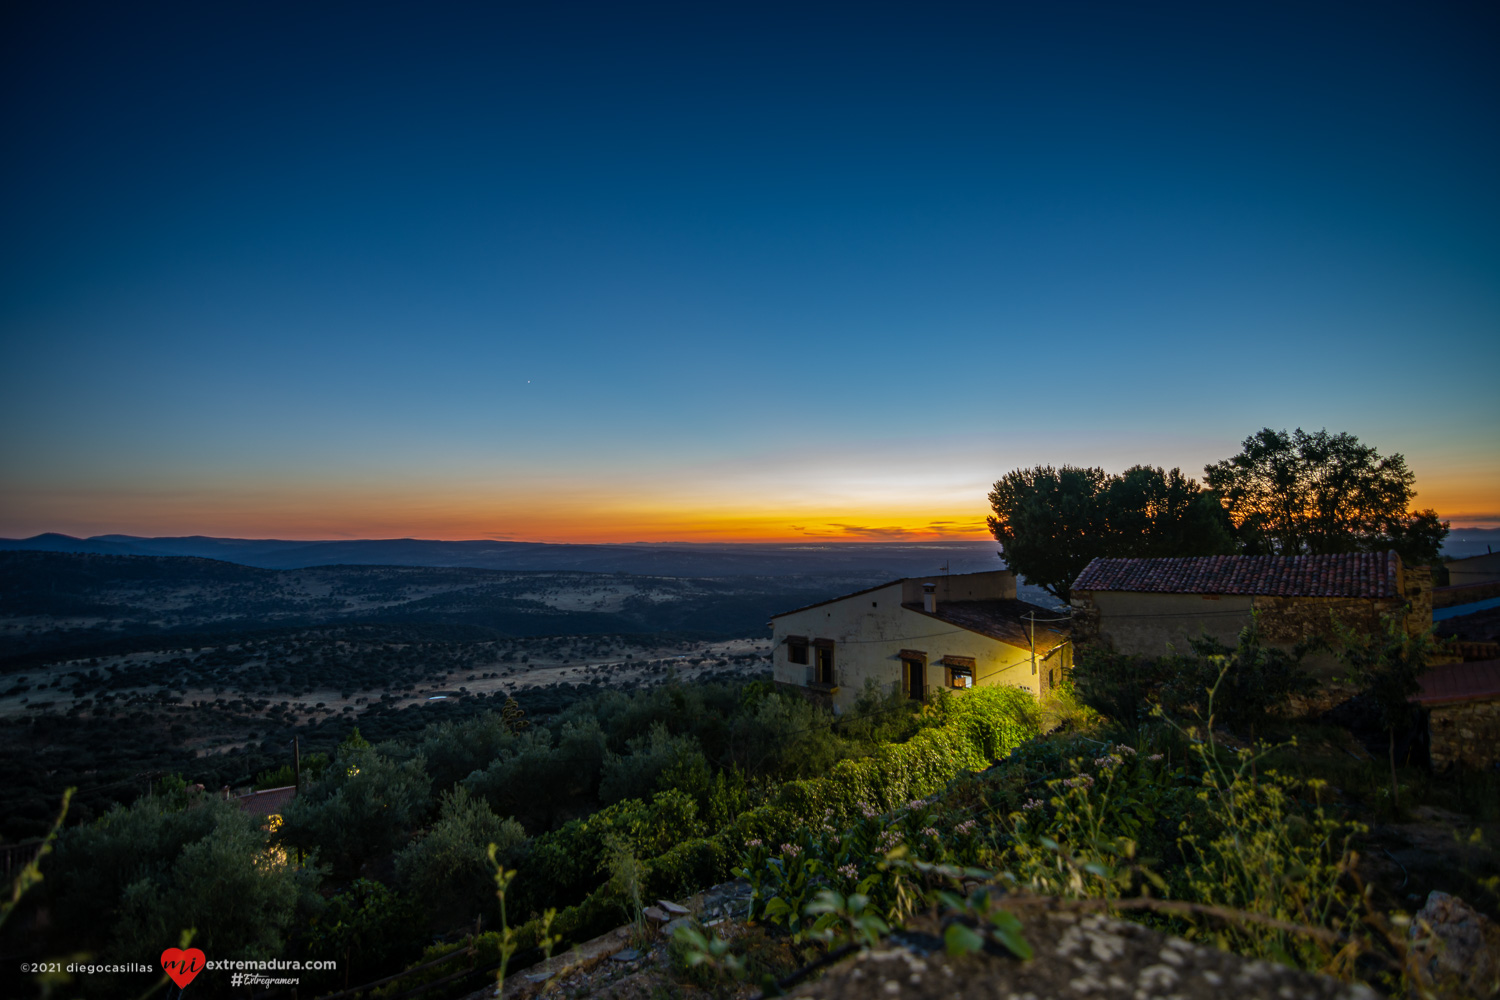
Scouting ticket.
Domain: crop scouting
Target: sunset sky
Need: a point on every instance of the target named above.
(621, 272)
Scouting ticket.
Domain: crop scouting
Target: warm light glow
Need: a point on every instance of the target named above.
(563, 519)
(898, 494)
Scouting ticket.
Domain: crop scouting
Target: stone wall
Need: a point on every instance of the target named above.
(1465, 732)
(1148, 624)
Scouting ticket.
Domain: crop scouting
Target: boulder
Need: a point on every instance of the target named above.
(1091, 957)
(1458, 946)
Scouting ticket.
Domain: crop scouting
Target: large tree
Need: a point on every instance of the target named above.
(1052, 522)
(1301, 493)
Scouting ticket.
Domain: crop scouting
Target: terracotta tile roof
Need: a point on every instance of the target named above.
(1460, 682)
(269, 802)
(1352, 574)
(1004, 620)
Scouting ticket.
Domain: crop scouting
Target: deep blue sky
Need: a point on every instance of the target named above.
(649, 271)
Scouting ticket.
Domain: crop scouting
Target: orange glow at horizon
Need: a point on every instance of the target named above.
(911, 495)
(564, 518)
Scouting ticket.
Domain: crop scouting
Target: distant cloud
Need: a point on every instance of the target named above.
(866, 531)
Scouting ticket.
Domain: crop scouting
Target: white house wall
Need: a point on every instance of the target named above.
(869, 630)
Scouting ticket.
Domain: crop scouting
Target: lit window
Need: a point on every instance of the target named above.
(960, 671)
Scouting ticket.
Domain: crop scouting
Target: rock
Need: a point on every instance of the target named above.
(1088, 957)
(670, 927)
(654, 914)
(625, 955)
(1457, 945)
(675, 909)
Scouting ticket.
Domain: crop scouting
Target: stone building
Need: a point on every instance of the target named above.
(1463, 722)
(915, 635)
(1150, 607)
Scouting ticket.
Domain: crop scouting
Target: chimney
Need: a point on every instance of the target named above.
(929, 598)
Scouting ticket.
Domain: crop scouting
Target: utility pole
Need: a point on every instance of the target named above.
(297, 789)
(1031, 615)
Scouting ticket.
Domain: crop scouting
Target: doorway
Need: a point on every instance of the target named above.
(914, 679)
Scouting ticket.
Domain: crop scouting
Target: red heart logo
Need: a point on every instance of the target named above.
(182, 966)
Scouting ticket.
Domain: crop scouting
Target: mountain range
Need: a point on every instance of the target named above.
(880, 560)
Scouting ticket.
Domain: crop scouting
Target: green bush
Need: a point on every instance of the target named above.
(140, 875)
(563, 866)
(368, 929)
(690, 866)
(447, 867)
(364, 806)
(454, 750)
(636, 774)
(539, 775)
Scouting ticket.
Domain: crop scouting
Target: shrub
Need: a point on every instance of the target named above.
(536, 778)
(364, 806)
(368, 929)
(637, 774)
(140, 875)
(447, 868)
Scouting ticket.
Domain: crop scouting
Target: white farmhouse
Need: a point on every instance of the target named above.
(915, 635)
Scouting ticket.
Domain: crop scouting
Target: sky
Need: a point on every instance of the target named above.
(693, 272)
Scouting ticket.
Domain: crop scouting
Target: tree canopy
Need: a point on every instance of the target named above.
(1283, 494)
(1052, 522)
(1301, 493)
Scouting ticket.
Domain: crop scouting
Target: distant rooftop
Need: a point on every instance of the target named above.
(1452, 682)
(1351, 574)
(268, 802)
(1006, 620)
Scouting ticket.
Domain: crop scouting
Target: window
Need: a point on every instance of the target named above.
(796, 649)
(824, 673)
(960, 671)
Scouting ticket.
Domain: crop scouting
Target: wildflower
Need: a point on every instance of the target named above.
(849, 871)
(753, 842)
(966, 826)
(1154, 757)
(867, 810)
(790, 850)
(929, 832)
(1109, 760)
(1126, 750)
(1030, 805)
(1082, 781)
(916, 803)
